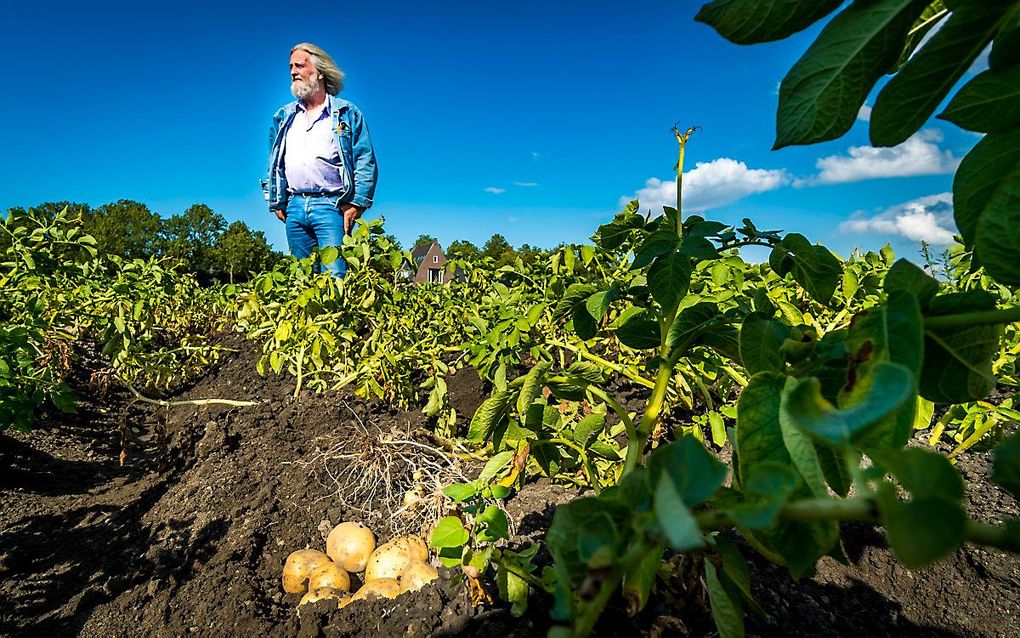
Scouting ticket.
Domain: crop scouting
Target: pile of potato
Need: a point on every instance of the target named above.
(390, 569)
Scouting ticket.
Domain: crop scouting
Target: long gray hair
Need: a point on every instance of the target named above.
(325, 65)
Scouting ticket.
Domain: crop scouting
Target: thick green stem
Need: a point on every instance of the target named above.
(985, 317)
(584, 625)
(636, 445)
(171, 404)
(679, 186)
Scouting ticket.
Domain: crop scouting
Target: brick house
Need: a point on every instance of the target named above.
(429, 266)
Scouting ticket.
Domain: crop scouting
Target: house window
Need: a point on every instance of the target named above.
(435, 259)
(435, 275)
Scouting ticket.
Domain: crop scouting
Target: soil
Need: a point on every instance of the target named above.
(189, 535)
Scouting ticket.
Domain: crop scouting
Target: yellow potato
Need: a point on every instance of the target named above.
(350, 545)
(324, 593)
(381, 587)
(331, 575)
(416, 576)
(416, 546)
(388, 560)
(298, 567)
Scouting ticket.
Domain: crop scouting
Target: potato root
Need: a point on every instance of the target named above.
(298, 566)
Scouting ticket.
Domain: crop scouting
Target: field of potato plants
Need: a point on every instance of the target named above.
(643, 435)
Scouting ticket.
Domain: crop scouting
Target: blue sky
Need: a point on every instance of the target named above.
(530, 119)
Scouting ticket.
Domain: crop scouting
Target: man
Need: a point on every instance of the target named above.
(322, 169)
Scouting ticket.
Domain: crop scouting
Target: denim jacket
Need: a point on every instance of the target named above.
(351, 135)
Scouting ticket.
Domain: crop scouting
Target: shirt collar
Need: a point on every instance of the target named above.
(327, 105)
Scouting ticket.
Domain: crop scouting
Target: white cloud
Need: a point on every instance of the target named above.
(864, 114)
(535, 155)
(526, 184)
(918, 155)
(494, 190)
(928, 218)
(710, 185)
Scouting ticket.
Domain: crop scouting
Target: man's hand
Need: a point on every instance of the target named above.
(281, 215)
(351, 213)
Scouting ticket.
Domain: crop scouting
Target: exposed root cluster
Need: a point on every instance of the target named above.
(369, 471)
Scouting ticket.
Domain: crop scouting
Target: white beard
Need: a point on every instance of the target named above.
(301, 89)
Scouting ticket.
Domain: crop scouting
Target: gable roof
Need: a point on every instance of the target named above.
(418, 252)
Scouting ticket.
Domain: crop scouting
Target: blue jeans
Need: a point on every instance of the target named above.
(315, 222)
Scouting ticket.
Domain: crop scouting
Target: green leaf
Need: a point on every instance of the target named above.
(461, 491)
(958, 361)
(922, 530)
(990, 103)
(815, 268)
(924, 473)
(495, 525)
(694, 471)
(690, 323)
(513, 589)
(769, 485)
(677, 522)
(837, 474)
(598, 304)
(715, 421)
(887, 388)
(736, 570)
(589, 427)
(495, 465)
(932, 15)
(568, 522)
(584, 324)
(986, 200)
(574, 295)
(729, 619)
(1006, 467)
(63, 398)
(489, 413)
(820, 97)
(640, 333)
(910, 97)
(1006, 48)
(761, 337)
(891, 331)
(449, 532)
(669, 279)
(904, 275)
(658, 243)
(531, 387)
(759, 437)
(753, 21)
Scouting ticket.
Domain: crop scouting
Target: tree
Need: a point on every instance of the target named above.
(424, 240)
(192, 236)
(462, 249)
(394, 242)
(240, 251)
(126, 228)
(496, 247)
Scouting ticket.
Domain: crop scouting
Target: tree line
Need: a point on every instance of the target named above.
(199, 239)
(497, 248)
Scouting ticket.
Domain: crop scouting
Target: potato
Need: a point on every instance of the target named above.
(331, 575)
(350, 545)
(416, 576)
(298, 567)
(388, 560)
(381, 587)
(419, 550)
(324, 593)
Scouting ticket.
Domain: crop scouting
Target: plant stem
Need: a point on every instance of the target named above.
(525, 576)
(636, 445)
(985, 317)
(170, 404)
(594, 358)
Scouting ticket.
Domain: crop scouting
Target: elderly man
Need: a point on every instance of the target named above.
(322, 170)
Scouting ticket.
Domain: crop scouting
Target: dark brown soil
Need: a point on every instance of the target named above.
(189, 536)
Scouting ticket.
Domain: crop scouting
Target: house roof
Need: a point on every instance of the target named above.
(418, 252)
